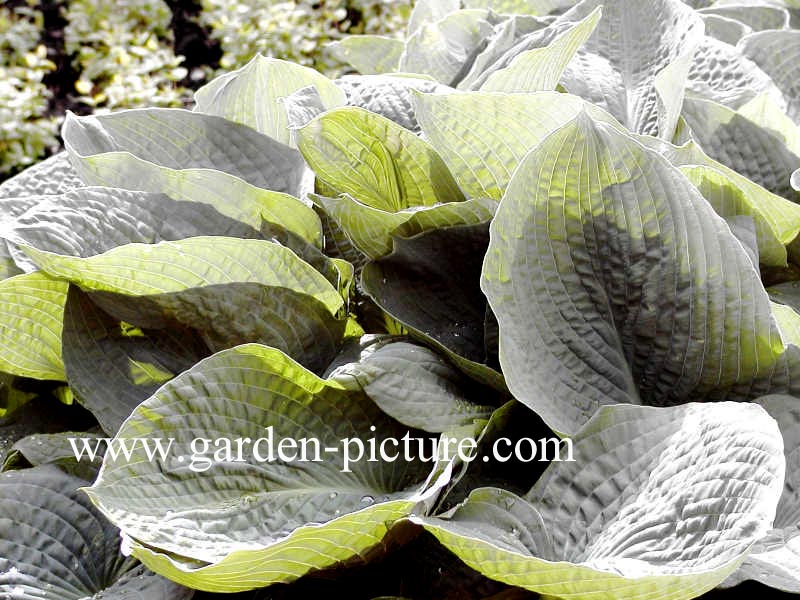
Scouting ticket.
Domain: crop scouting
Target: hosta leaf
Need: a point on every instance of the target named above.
(337, 244)
(721, 73)
(495, 463)
(506, 34)
(777, 220)
(658, 503)
(8, 266)
(443, 48)
(603, 261)
(190, 263)
(251, 95)
(388, 96)
(54, 448)
(272, 521)
(540, 69)
(229, 290)
(765, 112)
(507, 41)
(415, 386)
(742, 145)
(482, 136)
(180, 139)
(724, 29)
(372, 229)
(32, 309)
(230, 314)
(669, 84)
(110, 370)
(786, 293)
(778, 54)
(758, 17)
(89, 221)
(53, 175)
(226, 193)
(776, 212)
(775, 558)
(630, 45)
(439, 305)
(54, 543)
(427, 11)
(788, 323)
(370, 54)
(302, 106)
(378, 162)
(527, 7)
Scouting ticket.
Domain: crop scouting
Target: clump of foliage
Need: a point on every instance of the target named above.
(26, 132)
(525, 219)
(137, 53)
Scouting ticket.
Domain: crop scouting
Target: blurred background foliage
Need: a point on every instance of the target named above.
(102, 55)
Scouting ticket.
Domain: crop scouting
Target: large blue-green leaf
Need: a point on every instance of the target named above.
(756, 15)
(778, 54)
(31, 321)
(540, 69)
(732, 194)
(603, 265)
(243, 524)
(370, 54)
(658, 503)
(88, 221)
(189, 263)
(227, 194)
(482, 136)
(437, 304)
(720, 72)
(372, 229)
(442, 48)
(178, 139)
(618, 65)
(112, 366)
(775, 558)
(40, 449)
(54, 175)
(378, 162)
(232, 290)
(252, 94)
(416, 386)
(387, 95)
(55, 544)
(776, 220)
(743, 145)
(724, 29)
(507, 33)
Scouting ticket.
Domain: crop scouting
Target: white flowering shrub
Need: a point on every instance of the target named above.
(25, 130)
(297, 31)
(123, 51)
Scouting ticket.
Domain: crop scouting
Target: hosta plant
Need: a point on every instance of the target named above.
(562, 227)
